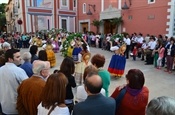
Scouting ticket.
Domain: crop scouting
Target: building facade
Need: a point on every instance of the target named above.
(141, 16)
(10, 17)
(39, 15)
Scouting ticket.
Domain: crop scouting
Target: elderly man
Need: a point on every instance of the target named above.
(27, 66)
(10, 78)
(30, 90)
(96, 103)
(6, 46)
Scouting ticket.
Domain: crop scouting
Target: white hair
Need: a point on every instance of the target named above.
(26, 56)
(161, 106)
(6, 45)
(40, 65)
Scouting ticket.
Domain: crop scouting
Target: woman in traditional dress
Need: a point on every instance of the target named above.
(55, 44)
(118, 61)
(83, 61)
(50, 54)
(77, 49)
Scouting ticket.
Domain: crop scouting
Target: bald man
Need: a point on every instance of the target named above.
(96, 103)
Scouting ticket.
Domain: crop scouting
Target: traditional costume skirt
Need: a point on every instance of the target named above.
(75, 53)
(117, 65)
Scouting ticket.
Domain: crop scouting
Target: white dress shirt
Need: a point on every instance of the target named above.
(128, 41)
(11, 77)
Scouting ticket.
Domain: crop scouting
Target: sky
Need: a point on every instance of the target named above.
(4, 1)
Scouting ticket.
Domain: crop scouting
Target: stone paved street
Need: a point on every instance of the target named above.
(159, 82)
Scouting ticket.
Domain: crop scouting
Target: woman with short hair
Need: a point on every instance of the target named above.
(98, 61)
(53, 96)
(135, 97)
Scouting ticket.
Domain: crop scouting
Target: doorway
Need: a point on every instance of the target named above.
(84, 27)
(108, 28)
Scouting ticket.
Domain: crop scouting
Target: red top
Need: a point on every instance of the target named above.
(132, 105)
(134, 52)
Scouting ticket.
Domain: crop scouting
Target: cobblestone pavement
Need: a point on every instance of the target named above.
(158, 82)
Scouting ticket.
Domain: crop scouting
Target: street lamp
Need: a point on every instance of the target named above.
(125, 6)
(93, 7)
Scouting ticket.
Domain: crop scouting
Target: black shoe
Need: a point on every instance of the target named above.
(142, 59)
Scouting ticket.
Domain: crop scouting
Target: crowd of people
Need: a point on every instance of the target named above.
(81, 85)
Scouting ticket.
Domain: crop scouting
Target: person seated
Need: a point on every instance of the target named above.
(161, 106)
(135, 97)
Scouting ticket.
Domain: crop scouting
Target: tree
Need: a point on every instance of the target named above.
(116, 22)
(97, 24)
(2, 16)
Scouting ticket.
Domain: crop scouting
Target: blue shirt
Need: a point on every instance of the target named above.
(27, 67)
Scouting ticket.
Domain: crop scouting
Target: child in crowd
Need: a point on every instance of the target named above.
(161, 51)
(134, 53)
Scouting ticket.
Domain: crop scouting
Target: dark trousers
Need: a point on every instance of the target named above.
(149, 58)
(127, 51)
(134, 57)
(169, 62)
(70, 106)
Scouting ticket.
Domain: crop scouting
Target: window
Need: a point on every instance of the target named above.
(64, 24)
(151, 1)
(64, 2)
(130, 17)
(75, 3)
(84, 8)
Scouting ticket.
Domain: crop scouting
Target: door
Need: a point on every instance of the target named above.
(84, 27)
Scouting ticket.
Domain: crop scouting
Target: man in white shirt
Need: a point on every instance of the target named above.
(150, 48)
(128, 43)
(11, 77)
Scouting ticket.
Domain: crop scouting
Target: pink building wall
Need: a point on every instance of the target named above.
(145, 18)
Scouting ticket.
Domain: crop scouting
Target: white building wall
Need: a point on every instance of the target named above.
(171, 24)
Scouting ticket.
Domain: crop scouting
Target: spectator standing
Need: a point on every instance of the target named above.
(81, 94)
(53, 96)
(161, 106)
(33, 51)
(170, 52)
(128, 43)
(96, 103)
(27, 66)
(136, 95)
(11, 77)
(67, 68)
(29, 92)
(161, 51)
(98, 61)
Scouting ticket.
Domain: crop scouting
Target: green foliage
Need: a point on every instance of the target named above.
(2, 16)
(116, 22)
(2, 8)
(97, 24)
(117, 36)
(67, 42)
